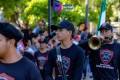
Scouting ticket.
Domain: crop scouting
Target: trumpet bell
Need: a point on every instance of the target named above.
(94, 43)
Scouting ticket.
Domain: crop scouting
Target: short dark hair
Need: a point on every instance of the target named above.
(80, 23)
(10, 32)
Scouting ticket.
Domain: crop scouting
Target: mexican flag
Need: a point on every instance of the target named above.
(102, 16)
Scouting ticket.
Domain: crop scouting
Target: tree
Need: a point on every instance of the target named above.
(37, 9)
(32, 10)
(111, 7)
(12, 8)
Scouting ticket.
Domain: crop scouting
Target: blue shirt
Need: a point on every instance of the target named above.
(36, 30)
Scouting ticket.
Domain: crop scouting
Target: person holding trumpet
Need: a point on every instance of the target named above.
(104, 54)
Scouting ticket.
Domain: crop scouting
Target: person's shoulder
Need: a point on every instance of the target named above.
(78, 50)
(117, 44)
(37, 52)
(82, 33)
(77, 47)
(28, 63)
(31, 69)
(52, 51)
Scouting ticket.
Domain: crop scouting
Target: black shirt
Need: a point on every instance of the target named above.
(41, 59)
(72, 57)
(104, 61)
(23, 69)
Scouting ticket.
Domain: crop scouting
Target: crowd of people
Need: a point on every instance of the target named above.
(65, 54)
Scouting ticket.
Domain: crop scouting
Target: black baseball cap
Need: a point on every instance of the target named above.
(10, 31)
(106, 26)
(64, 24)
(43, 40)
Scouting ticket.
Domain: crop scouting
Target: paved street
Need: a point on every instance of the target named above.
(87, 78)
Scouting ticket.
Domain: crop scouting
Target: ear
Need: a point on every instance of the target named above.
(11, 42)
(70, 32)
(111, 32)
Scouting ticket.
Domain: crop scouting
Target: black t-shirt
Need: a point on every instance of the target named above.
(72, 57)
(104, 61)
(41, 59)
(23, 69)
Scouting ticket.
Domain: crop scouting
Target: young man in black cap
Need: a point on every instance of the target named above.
(41, 56)
(12, 65)
(105, 61)
(71, 54)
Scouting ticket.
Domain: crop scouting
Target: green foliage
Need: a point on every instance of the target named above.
(12, 6)
(33, 10)
(38, 9)
(72, 15)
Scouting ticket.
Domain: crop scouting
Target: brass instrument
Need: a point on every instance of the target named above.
(94, 43)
